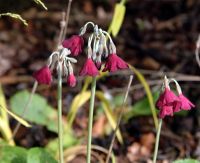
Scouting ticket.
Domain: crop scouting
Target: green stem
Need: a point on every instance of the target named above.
(60, 130)
(93, 90)
(157, 141)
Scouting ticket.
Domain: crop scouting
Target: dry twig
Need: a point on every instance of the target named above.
(119, 119)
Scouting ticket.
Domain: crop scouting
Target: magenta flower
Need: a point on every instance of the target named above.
(176, 106)
(43, 75)
(71, 80)
(75, 44)
(114, 63)
(168, 103)
(166, 111)
(166, 98)
(186, 104)
(89, 68)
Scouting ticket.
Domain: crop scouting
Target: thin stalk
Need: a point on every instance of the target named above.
(25, 108)
(60, 130)
(91, 111)
(64, 23)
(157, 141)
(197, 51)
(119, 119)
(67, 19)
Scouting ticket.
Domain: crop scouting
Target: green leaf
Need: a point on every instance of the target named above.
(14, 154)
(141, 108)
(52, 117)
(10, 154)
(118, 18)
(117, 101)
(68, 141)
(186, 161)
(39, 111)
(3, 143)
(39, 155)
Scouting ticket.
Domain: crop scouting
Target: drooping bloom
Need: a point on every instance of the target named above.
(75, 44)
(71, 80)
(114, 63)
(168, 103)
(43, 75)
(89, 68)
(166, 98)
(186, 104)
(166, 111)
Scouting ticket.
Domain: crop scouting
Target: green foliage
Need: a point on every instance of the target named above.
(68, 141)
(118, 18)
(117, 101)
(186, 161)
(39, 111)
(141, 108)
(14, 154)
(3, 142)
(9, 154)
(39, 155)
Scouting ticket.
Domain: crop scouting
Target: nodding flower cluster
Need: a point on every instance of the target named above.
(98, 48)
(62, 62)
(168, 103)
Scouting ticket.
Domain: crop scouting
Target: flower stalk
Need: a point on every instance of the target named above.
(60, 130)
(168, 103)
(91, 111)
(157, 141)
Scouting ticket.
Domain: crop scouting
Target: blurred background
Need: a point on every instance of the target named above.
(156, 37)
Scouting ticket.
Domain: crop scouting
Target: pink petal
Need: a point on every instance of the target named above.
(89, 68)
(43, 76)
(71, 80)
(114, 63)
(75, 44)
(166, 111)
(186, 104)
(166, 98)
(176, 106)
